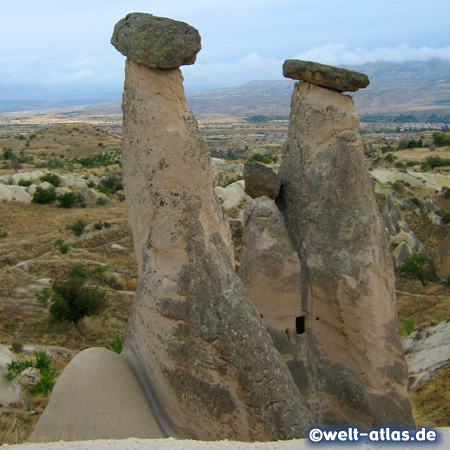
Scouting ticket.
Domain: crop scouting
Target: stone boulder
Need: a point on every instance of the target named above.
(14, 193)
(156, 42)
(347, 276)
(96, 397)
(327, 76)
(260, 180)
(9, 390)
(405, 244)
(234, 199)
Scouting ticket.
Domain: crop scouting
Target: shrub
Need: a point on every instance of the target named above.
(64, 248)
(113, 283)
(72, 301)
(78, 227)
(52, 178)
(43, 363)
(44, 196)
(408, 326)
(399, 165)
(441, 139)
(98, 226)
(101, 201)
(16, 346)
(101, 268)
(106, 224)
(412, 163)
(116, 344)
(414, 266)
(25, 183)
(446, 217)
(43, 297)
(112, 181)
(67, 200)
(104, 190)
(79, 270)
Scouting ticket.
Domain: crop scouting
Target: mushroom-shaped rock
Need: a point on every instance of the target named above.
(330, 77)
(156, 42)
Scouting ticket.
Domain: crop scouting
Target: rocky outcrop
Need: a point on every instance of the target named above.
(270, 266)
(9, 390)
(96, 397)
(193, 338)
(347, 276)
(156, 42)
(327, 76)
(260, 180)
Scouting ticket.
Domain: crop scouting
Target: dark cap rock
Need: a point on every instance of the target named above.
(156, 42)
(260, 180)
(327, 76)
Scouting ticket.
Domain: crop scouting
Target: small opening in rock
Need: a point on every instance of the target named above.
(300, 324)
(317, 318)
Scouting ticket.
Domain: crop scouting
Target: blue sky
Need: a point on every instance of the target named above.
(55, 50)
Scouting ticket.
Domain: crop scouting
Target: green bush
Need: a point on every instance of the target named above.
(441, 139)
(116, 344)
(67, 200)
(446, 217)
(79, 270)
(399, 165)
(114, 284)
(43, 297)
(101, 201)
(98, 226)
(44, 196)
(78, 227)
(43, 363)
(52, 178)
(104, 190)
(101, 268)
(408, 326)
(64, 248)
(72, 301)
(113, 182)
(24, 183)
(414, 266)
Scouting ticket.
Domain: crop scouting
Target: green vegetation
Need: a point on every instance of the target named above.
(43, 297)
(266, 159)
(51, 178)
(409, 326)
(105, 159)
(67, 200)
(414, 266)
(71, 301)
(42, 363)
(441, 139)
(79, 270)
(24, 183)
(78, 227)
(116, 344)
(44, 196)
(435, 161)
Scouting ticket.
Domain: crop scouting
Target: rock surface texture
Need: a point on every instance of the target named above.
(327, 76)
(347, 277)
(194, 338)
(260, 180)
(96, 397)
(156, 42)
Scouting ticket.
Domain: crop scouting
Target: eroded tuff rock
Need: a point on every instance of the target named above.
(347, 276)
(260, 180)
(96, 397)
(331, 77)
(156, 42)
(194, 339)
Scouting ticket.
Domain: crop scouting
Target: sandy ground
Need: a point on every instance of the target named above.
(172, 444)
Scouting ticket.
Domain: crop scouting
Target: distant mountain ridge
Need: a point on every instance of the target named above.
(422, 86)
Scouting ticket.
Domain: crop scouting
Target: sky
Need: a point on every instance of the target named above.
(53, 50)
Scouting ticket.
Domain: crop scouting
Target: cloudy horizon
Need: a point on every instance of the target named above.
(60, 50)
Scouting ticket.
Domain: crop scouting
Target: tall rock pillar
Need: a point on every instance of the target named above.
(347, 276)
(194, 340)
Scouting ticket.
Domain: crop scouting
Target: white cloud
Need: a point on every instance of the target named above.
(340, 54)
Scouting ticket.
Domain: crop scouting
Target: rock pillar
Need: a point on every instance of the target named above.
(194, 339)
(347, 276)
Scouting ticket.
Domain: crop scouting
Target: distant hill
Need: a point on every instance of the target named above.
(422, 87)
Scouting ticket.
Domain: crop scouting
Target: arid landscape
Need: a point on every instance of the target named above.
(41, 244)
